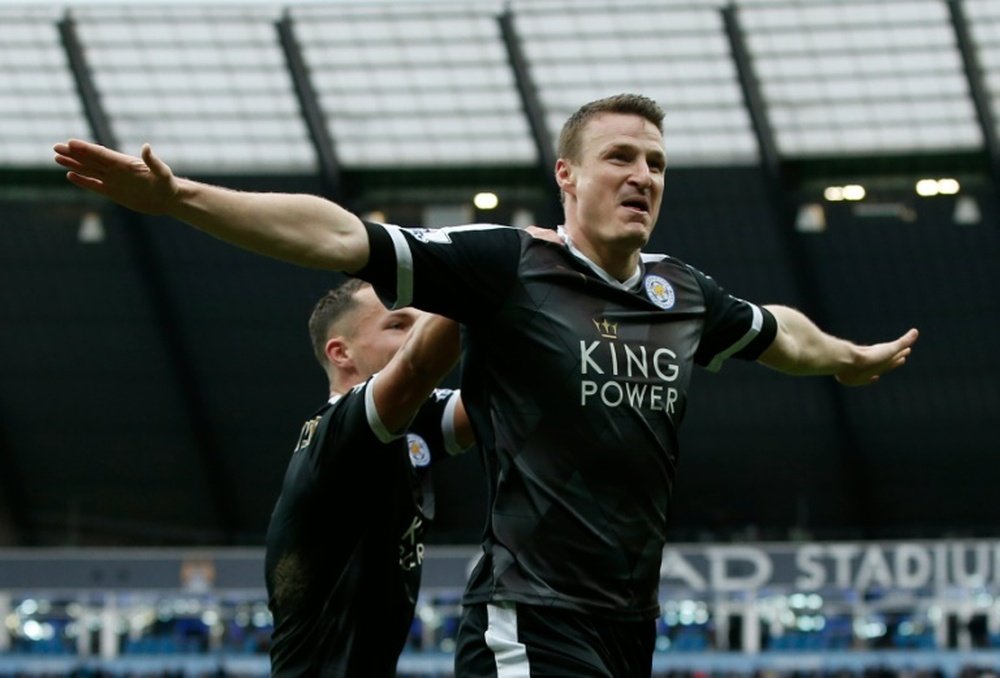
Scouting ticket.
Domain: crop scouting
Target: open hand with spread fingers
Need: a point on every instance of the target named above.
(144, 184)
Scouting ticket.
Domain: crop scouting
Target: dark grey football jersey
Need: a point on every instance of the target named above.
(345, 541)
(575, 384)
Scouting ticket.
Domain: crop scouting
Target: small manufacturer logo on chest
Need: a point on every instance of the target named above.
(659, 291)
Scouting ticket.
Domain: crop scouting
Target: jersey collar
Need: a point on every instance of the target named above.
(630, 284)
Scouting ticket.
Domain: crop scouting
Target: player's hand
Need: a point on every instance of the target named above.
(875, 360)
(143, 184)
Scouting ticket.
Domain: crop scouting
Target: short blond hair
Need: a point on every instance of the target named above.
(635, 104)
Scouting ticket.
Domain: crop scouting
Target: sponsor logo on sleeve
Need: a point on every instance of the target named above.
(438, 235)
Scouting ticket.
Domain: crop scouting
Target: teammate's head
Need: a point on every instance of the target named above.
(610, 174)
(354, 335)
(331, 307)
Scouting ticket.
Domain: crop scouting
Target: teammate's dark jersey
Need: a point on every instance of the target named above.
(345, 542)
(575, 384)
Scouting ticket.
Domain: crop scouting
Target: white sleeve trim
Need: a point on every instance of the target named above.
(448, 432)
(755, 326)
(471, 227)
(404, 267)
(375, 422)
(404, 256)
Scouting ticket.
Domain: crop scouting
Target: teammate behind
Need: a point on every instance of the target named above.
(345, 542)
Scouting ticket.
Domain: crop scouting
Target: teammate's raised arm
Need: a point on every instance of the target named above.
(303, 229)
(425, 358)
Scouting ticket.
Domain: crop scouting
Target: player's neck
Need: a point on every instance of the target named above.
(619, 265)
(344, 378)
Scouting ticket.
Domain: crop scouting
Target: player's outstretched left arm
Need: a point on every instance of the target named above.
(296, 227)
(801, 348)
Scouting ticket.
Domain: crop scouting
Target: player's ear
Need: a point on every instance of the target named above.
(338, 352)
(565, 176)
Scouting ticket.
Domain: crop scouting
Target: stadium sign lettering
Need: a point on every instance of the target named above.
(813, 566)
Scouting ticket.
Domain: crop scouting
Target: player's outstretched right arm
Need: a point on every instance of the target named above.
(303, 229)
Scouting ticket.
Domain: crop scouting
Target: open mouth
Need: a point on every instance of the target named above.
(637, 205)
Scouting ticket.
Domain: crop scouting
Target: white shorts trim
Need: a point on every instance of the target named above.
(510, 655)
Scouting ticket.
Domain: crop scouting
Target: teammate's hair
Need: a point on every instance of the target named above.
(635, 104)
(328, 310)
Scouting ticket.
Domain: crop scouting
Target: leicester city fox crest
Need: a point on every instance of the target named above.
(420, 453)
(659, 291)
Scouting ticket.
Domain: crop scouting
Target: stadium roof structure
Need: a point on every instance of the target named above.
(350, 98)
(266, 87)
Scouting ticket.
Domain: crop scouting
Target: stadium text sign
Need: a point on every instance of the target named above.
(814, 566)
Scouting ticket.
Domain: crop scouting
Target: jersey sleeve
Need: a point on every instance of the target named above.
(379, 428)
(435, 424)
(342, 442)
(734, 328)
(461, 272)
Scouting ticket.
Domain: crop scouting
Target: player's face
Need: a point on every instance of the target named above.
(378, 333)
(618, 182)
